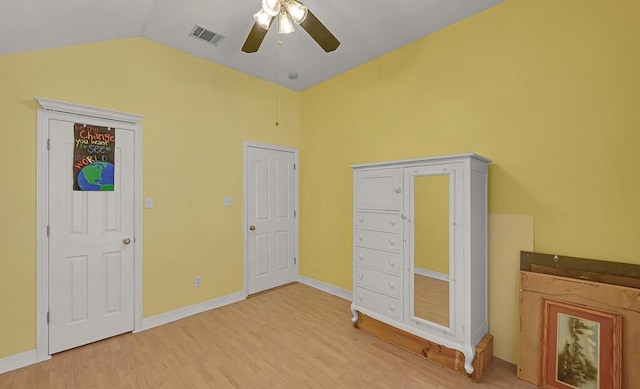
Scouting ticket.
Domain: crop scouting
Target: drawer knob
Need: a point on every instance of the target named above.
(360, 296)
(392, 222)
(360, 256)
(360, 219)
(360, 237)
(392, 308)
(361, 276)
(392, 262)
(392, 285)
(392, 242)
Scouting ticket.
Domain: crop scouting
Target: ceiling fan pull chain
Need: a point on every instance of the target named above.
(278, 43)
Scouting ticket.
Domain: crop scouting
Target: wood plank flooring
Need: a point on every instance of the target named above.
(291, 337)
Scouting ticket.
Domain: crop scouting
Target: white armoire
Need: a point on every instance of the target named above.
(420, 248)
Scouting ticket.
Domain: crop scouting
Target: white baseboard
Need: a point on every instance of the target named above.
(331, 289)
(432, 274)
(181, 313)
(17, 361)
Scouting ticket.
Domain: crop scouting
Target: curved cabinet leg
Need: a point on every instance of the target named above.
(469, 355)
(354, 314)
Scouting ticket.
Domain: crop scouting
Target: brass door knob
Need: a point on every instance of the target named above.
(252, 228)
(126, 240)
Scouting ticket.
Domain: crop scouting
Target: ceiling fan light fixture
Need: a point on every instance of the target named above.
(285, 10)
(284, 24)
(263, 19)
(298, 11)
(271, 7)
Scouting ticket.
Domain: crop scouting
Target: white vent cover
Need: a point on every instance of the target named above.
(206, 35)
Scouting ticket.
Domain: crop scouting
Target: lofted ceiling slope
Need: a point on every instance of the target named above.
(366, 30)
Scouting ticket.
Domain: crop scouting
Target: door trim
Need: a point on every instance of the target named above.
(245, 202)
(51, 109)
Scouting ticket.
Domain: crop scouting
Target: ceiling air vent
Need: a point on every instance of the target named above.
(206, 35)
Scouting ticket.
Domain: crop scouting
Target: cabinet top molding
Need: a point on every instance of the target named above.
(439, 159)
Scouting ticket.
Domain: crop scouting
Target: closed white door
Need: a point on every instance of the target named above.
(91, 255)
(271, 239)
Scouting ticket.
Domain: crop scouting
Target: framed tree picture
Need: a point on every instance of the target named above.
(581, 347)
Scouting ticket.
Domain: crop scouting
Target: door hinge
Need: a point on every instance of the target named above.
(294, 166)
(295, 260)
(48, 143)
(48, 317)
(295, 213)
(48, 229)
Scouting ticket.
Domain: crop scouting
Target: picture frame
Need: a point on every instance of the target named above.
(581, 347)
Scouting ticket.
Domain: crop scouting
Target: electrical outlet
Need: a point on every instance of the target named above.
(197, 281)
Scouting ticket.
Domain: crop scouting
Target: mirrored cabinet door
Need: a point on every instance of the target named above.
(430, 197)
(430, 222)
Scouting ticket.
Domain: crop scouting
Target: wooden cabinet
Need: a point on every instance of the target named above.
(378, 255)
(420, 245)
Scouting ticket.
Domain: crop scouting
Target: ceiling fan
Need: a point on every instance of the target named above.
(287, 10)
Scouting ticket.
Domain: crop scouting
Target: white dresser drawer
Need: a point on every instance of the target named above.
(386, 222)
(379, 240)
(378, 302)
(381, 282)
(382, 260)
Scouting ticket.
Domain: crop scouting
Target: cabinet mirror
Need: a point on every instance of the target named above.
(431, 248)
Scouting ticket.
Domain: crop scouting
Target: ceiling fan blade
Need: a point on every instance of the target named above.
(319, 33)
(255, 38)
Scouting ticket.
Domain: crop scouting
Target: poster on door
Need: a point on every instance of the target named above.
(93, 157)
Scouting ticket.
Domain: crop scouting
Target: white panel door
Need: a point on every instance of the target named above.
(90, 245)
(271, 202)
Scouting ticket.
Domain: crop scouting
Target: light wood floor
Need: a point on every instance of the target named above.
(291, 337)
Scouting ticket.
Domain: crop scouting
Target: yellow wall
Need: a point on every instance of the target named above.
(547, 89)
(196, 117)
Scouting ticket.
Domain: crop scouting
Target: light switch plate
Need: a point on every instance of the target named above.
(148, 202)
(227, 201)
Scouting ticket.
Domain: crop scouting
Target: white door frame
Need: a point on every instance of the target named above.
(49, 109)
(245, 204)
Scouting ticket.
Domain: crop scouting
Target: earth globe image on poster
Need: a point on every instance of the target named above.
(96, 176)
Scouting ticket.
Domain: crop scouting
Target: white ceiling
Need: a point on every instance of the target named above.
(366, 29)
